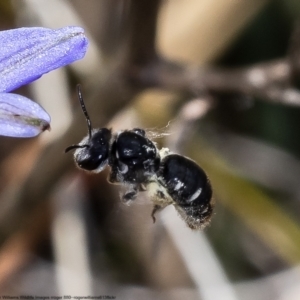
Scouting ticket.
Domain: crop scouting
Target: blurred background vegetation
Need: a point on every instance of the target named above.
(200, 66)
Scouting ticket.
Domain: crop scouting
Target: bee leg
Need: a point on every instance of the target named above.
(142, 187)
(156, 208)
(130, 194)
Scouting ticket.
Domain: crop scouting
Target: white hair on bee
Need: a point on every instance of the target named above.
(158, 133)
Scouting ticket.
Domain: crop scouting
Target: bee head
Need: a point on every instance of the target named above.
(92, 152)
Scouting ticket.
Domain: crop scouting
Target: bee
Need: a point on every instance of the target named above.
(137, 163)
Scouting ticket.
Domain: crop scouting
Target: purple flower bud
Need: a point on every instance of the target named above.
(21, 117)
(25, 55)
(28, 53)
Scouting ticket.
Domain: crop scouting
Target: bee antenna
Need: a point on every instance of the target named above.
(88, 120)
(75, 147)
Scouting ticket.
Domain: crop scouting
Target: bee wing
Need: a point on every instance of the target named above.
(158, 133)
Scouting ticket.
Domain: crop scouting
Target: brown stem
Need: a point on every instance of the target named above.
(268, 81)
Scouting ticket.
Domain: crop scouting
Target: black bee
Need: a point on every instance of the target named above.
(136, 162)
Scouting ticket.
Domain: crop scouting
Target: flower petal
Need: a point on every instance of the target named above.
(21, 117)
(27, 53)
